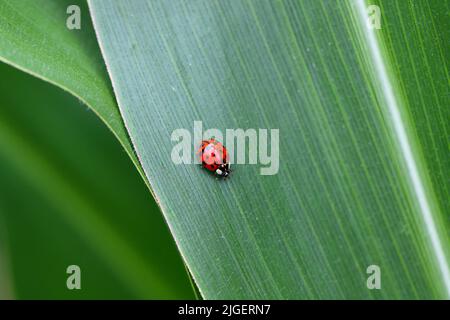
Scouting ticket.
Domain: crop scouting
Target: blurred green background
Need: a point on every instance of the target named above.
(69, 194)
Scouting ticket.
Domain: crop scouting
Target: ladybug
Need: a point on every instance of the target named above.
(214, 157)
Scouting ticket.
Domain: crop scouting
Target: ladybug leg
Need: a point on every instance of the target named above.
(202, 147)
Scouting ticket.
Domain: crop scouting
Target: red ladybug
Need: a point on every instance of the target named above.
(214, 157)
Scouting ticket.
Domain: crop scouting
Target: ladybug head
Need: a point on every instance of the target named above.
(223, 170)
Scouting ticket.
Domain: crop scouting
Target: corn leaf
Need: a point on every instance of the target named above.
(358, 184)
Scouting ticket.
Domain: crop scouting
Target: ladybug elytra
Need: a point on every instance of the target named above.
(214, 157)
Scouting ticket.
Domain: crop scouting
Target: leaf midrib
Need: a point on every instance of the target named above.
(406, 149)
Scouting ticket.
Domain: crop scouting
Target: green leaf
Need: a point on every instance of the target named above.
(35, 39)
(70, 195)
(355, 185)
(420, 31)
